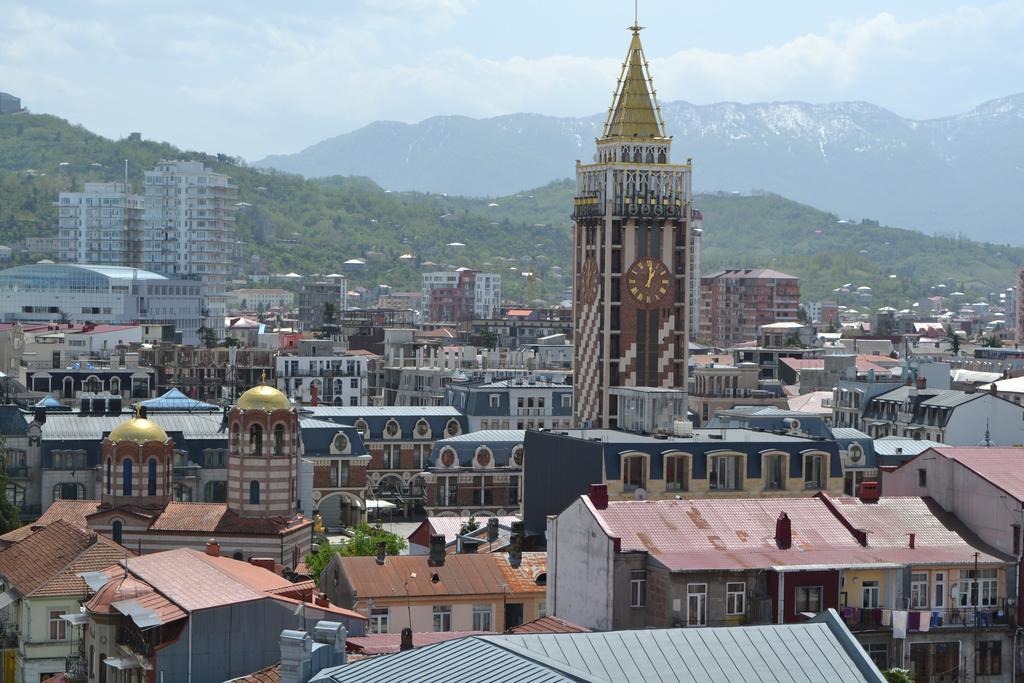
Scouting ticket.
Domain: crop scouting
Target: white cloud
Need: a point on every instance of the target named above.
(256, 82)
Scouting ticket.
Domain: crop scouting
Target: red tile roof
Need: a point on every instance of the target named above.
(387, 643)
(217, 518)
(43, 563)
(549, 624)
(271, 674)
(529, 577)
(740, 533)
(1002, 467)
(467, 574)
(73, 511)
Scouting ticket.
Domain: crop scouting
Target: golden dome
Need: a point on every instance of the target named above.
(263, 397)
(138, 429)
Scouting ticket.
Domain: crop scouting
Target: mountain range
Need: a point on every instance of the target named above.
(960, 174)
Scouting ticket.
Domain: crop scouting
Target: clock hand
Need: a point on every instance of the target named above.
(650, 274)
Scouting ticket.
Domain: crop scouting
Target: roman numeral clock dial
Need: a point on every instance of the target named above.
(648, 281)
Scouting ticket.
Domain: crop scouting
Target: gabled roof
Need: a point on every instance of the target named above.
(42, 563)
(174, 399)
(549, 624)
(817, 651)
(450, 527)
(1001, 467)
(388, 643)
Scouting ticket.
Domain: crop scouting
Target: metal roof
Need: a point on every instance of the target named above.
(848, 433)
(174, 399)
(898, 445)
(356, 412)
(818, 651)
(951, 399)
(726, 435)
(73, 426)
(488, 436)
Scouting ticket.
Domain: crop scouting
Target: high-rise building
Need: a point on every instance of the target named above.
(322, 302)
(631, 266)
(463, 294)
(101, 225)
(189, 230)
(736, 303)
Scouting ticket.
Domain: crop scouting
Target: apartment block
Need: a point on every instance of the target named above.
(101, 225)
(736, 303)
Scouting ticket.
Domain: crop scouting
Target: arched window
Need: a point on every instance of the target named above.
(110, 476)
(92, 657)
(235, 435)
(69, 387)
(254, 492)
(117, 531)
(256, 441)
(151, 477)
(279, 440)
(103, 669)
(126, 477)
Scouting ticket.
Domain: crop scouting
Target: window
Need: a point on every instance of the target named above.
(879, 654)
(918, 590)
(483, 490)
(279, 440)
(814, 472)
(392, 456)
(442, 618)
(151, 477)
(110, 476)
(979, 588)
(379, 619)
(735, 598)
(939, 600)
(254, 492)
(696, 604)
(637, 588)
(869, 591)
(633, 475)
(58, 627)
(482, 618)
(1015, 534)
(117, 532)
(808, 599)
(126, 477)
(677, 475)
(773, 473)
(447, 491)
(567, 400)
(725, 473)
(922, 477)
(988, 659)
(494, 400)
(256, 441)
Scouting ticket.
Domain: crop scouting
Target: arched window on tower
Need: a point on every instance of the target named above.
(256, 441)
(126, 477)
(279, 440)
(110, 476)
(254, 492)
(151, 478)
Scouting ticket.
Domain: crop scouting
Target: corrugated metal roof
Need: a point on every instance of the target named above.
(951, 399)
(451, 526)
(1002, 467)
(381, 411)
(813, 652)
(897, 445)
(453, 661)
(488, 435)
(387, 643)
(848, 433)
(72, 426)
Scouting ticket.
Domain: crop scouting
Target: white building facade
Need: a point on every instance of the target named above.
(102, 225)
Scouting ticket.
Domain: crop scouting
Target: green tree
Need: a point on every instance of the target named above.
(470, 526)
(898, 676)
(954, 340)
(363, 543)
(208, 337)
(9, 518)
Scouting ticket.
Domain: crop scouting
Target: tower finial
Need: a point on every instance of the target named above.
(138, 411)
(263, 377)
(636, 27)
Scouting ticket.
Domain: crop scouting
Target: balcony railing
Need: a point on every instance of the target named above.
(76, 668)
(946, 618)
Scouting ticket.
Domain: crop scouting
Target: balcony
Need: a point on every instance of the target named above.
(17, 471)
(954, 618)
(76, 668)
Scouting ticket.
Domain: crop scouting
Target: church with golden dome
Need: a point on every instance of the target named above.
(260, 517)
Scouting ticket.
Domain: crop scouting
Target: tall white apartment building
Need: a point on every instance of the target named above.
(189, 230)
(101, 225)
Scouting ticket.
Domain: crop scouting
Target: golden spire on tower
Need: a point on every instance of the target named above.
(634, 113)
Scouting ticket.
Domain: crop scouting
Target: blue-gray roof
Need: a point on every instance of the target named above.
(377, 418)
(48, 401)
(848, 433)
(501, 443)
(12, 421)
(899, 446)
(817, 651)
(174, 399)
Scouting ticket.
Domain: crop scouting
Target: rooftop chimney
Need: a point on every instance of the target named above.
(296, 656)
(922, 382)
(334, 634)
(492, 529)
(599, 496)
(783, 532)
(406, 643)
(913, 537)
(992, 388)
(213, 548)
(381, 552)
(437, 551)
(264, 562)
(515, 546)
(40, 415)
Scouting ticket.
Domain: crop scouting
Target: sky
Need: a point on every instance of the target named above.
(254, 78)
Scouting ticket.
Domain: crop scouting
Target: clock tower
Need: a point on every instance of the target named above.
(630, 260)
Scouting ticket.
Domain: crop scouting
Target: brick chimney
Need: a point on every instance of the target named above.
(213, 548)
(381, 552)
(406, 643)
(264, 562)
(437, 552)
(599, 496)
(913, 537)
(492, 529)
(515, 545)
(922, 382)
(783, 532)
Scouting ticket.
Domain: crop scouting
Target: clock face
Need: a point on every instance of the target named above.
(588, 281)
(648, 281)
